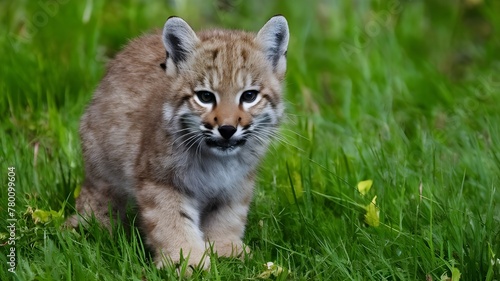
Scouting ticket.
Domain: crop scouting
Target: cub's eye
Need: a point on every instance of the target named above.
(249, 96)
(205, 96)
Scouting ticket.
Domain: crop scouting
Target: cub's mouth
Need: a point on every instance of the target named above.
(224, 144)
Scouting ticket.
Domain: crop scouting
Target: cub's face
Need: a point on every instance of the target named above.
(229, 84)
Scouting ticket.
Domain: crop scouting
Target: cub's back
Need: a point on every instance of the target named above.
(111, 127)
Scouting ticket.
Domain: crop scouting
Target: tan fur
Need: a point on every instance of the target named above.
(190, 196)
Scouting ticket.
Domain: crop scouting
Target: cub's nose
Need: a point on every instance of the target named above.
(227, 131)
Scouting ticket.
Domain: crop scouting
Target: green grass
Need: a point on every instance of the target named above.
(405, 93)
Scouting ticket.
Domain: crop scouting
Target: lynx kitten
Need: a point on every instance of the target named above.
(180, 135)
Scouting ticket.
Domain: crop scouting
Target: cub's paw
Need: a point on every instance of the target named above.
(71, 222)
(230, 249)
(185, 265)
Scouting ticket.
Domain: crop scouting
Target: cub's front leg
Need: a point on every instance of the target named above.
(171, 225)
(224, 226)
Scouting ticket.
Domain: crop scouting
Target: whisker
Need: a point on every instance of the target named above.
(189, 140)
(181, 130)
(281, 130)
(295, 133)
(196, 139)
(198, 148)
(260, 140)
(274, 135)
(188, 135)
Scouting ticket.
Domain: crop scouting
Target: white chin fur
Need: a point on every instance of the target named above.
(225, 152)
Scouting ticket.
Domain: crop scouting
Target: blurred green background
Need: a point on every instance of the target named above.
(405, 93)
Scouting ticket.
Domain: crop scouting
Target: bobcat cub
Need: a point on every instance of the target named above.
(177, 127)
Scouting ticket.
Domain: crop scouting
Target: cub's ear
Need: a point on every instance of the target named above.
(273, 37)
(179, 40)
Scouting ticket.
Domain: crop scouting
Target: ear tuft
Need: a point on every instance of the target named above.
(179, 39)
(273, 37)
